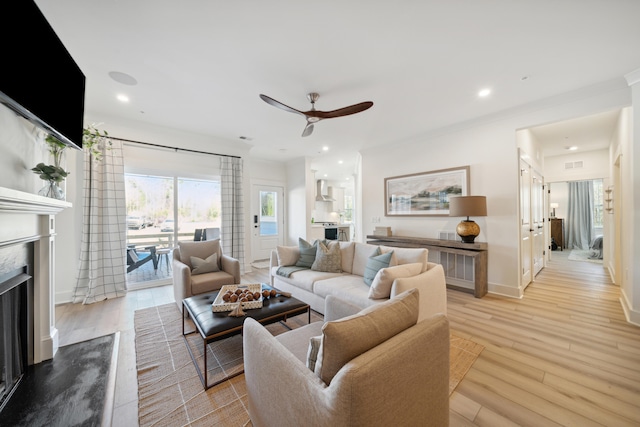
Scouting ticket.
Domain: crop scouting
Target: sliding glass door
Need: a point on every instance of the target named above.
(162, 210)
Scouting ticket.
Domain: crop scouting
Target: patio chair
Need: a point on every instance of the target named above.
(134, 261)
(211, 234)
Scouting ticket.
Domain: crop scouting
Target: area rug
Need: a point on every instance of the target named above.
(584, 255)
(68, 390)
(169, 389)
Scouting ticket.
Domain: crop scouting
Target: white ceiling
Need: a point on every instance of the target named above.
(201, 64)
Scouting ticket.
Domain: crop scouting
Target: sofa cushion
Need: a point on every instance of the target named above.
(348, 287)
(408, 256)
(328, 258)
(381, 285)
(346, 254)
(306, 279)
(307, 253)
(346, 338)
(208, 265)
(375, 263)
(287, 255)
(361, 254)
(199, 249)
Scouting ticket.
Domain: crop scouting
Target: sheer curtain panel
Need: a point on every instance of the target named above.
(102, 270)
(579, 226)
(232, 233)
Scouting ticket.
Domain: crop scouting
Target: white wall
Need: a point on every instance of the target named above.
(491, 151)
(596, 165)
(629, 196)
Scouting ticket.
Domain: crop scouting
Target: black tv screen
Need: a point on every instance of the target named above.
(38, 77)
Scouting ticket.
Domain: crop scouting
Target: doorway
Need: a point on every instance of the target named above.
(267, 220)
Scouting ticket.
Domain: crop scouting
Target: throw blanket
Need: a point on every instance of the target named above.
(287, 270)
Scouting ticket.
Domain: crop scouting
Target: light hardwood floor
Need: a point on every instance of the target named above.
(561, 356)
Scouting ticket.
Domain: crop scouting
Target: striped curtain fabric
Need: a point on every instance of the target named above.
(232, 233)
(102, 270)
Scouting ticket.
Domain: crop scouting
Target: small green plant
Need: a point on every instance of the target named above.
(53, 172)
(50, 172)
(56, 148)
(92, 138)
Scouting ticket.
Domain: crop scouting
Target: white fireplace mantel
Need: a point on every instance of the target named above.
(26, 217)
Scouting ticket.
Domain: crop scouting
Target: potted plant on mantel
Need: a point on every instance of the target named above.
(54, 174)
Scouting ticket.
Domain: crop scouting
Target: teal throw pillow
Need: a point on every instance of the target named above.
(307, 253)
(375, 263)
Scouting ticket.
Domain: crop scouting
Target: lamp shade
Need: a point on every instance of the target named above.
(468, 206)
(554, 205)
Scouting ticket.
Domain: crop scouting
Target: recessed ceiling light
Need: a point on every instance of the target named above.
(325, 175)
(325, 148)
(484, 92)
(245, 138)
(123, 78)
(340, 162)
(122, 98)
(572, 148)
(523, 78)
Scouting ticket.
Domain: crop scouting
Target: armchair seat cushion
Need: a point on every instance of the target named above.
(209, 282)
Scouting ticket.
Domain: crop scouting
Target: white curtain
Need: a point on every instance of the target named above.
(102, 271)
(232, 233)
(579, 226)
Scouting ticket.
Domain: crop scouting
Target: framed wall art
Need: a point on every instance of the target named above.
(425, 193)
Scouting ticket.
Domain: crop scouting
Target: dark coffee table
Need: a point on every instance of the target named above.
(216, 326)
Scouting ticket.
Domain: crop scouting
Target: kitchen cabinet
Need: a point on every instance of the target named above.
(338, 195)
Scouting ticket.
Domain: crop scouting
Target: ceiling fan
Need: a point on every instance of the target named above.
(313, 115)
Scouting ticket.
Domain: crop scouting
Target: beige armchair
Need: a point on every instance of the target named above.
(402, 379)
(209, 274)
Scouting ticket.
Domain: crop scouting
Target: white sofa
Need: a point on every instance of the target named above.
(313, 286)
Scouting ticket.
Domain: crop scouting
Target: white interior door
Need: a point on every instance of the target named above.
(537, 221)
(267, 221)
(525, 223)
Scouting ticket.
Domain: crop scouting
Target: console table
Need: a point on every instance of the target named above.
(465, 264)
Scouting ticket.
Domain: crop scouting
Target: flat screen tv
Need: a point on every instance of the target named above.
(39, 79)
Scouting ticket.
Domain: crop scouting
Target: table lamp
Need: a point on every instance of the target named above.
(553, 206)
(468, 206)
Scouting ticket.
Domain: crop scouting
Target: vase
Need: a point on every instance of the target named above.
(52, 190)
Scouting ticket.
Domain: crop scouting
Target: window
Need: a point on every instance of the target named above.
(598, 203)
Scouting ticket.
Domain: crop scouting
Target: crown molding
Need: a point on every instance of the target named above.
(633, 77)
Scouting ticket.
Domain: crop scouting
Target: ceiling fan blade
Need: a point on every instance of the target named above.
(346, 111)
(280, 105)
(308, 129)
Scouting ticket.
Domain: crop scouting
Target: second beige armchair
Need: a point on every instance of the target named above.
(200, 267)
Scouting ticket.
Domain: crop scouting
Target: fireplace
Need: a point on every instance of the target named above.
(16, 327)
(27, 267)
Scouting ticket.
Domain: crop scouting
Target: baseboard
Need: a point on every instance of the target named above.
(64, 297)
(505, 291)
(632, 315)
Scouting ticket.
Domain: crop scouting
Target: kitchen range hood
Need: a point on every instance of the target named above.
(322, 192)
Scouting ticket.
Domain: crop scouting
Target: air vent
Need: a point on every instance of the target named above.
(574, 165)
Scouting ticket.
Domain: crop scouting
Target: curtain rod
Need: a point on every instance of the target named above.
(172, 148)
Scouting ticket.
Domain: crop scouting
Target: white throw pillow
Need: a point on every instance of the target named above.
(287, 255)
(381, 285)
(208, 265)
